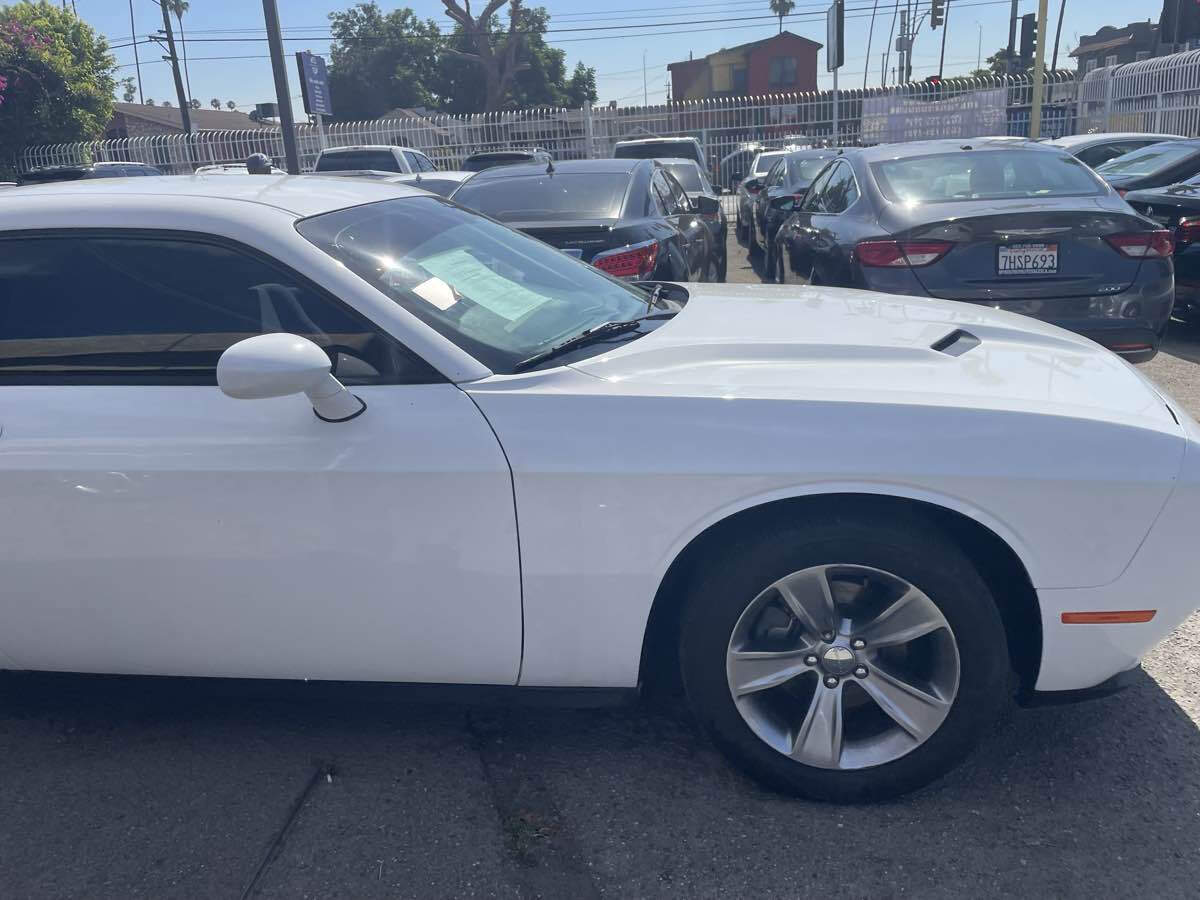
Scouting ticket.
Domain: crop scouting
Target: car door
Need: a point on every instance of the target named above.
(678, 247)
(830, 260)
(697, 237)
(154, 525)
(769, 190)
(797, 231)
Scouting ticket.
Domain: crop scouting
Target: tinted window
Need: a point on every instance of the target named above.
(536, 198)
(1148, 160)
(481, 161)
(665, 196)
(659, 149)
(803, 169)
(349, 160)
(411, 158)
(814, 198)
(499, 294)
(984, 174)
(1102, 153)
(687, 175)
(840, 191)
(682, 203)
(150, 309)
(426, 163)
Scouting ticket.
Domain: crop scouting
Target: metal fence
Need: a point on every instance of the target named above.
(1161, 94)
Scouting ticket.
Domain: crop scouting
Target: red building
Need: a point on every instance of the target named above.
(783, 63)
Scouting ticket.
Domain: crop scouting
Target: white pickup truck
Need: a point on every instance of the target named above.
(378, 157)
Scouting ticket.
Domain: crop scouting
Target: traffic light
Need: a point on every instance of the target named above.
(1028, 36)
(937, 13)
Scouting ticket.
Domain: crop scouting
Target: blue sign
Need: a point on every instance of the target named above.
(314, 84)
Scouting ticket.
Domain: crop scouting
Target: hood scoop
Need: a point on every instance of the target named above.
(956, 343)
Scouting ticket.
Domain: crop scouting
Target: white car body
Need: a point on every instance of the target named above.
(516, 529)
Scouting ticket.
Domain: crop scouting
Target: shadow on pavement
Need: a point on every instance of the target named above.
(158, 787)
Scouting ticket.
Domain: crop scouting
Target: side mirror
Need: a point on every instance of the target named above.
(707, 206)
(277, 365)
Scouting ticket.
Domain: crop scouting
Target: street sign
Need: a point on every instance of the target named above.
(314, 84)
(835, 46)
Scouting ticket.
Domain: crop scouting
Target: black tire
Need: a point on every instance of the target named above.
(739, 230)
(723, 267)
(850, 533)
(755, 250)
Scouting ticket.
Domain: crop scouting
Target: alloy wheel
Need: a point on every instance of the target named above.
(843, 666)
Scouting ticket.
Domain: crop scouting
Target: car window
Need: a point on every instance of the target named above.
(655, 204)
(659, 150)
(687, 174)
(433, 184)
(984, 174)
(414, 164)
(548, 197)
(764, 161)
(351, 160)
(499, 294)
(813, 200)
(840, 190)
(665, 196)
(1102, 153)
(775, 175)
(1148, 160)
(162, 310)
(424, 163)
(678, 194)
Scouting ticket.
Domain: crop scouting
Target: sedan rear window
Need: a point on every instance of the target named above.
(1148, 160)
(553, 197)
(657, 150)
(984, 175)
(764, 161)
(380, 160)
(481, 161)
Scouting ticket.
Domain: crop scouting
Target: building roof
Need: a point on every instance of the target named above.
(202, 119)
(741, 48)
(1084, 49)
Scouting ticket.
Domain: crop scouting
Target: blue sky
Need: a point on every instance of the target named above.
(210, 26)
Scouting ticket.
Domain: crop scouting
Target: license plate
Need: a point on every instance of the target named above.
(1027, 259)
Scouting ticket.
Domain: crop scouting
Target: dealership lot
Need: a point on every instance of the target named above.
(152, 788)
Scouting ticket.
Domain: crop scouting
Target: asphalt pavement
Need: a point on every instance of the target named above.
(130, 788)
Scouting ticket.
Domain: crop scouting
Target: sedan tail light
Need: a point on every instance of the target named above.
(883, 254)
(1142, 244)
(1121, 192)
(634, 262)
(1188, 230)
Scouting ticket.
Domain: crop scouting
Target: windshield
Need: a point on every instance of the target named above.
(687, 175)
(542, 198)
(805, 169)
(481, 161)
(1148, 160)
(342, 161)
(984, 174)
(500, 295)
(658, 149)
(763, 163)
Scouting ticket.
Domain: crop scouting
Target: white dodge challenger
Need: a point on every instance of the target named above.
(311, 428)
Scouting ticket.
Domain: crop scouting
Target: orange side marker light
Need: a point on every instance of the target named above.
(1111, 617)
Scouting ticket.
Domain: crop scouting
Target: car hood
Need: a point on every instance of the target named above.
(817, 343)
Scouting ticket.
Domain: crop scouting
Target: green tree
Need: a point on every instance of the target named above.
(541, 79)
(214, 103)
(494, 49)
(230, 105)
(782, 8)
(178, 8)
(380, 61)
(128, 89)
(997, 64)
(56, 78)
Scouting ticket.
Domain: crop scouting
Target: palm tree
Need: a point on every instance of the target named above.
(179, 7)
(781, 8)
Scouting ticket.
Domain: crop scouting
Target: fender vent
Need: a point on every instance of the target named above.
(956, 343)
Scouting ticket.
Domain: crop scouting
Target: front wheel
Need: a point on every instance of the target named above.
(854, 656)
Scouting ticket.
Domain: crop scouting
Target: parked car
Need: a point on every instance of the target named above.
(790, 176)
(733, 166)
(378, 157)
(1177, 208)
(661, 147)
(694, 181)
(231, 169)
(748, 188)
(629, 217)
(442, 182)
(1155, 166)
(486, 159)
(1096, 149)
(45, 174)
(1021, 227)
(273, 431)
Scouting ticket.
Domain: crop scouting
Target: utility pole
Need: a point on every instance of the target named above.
(1012, 39)
(1039, 63)
(645, 96)
(979, 47)
(185, 107)
(945, 28)
(870, 34)
(902, 46)
(282, 92)
(137, 63)
(1062, 5)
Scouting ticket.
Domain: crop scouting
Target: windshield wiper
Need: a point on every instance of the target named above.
(593, 334)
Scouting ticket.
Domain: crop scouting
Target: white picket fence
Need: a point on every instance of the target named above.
(1160, 94)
